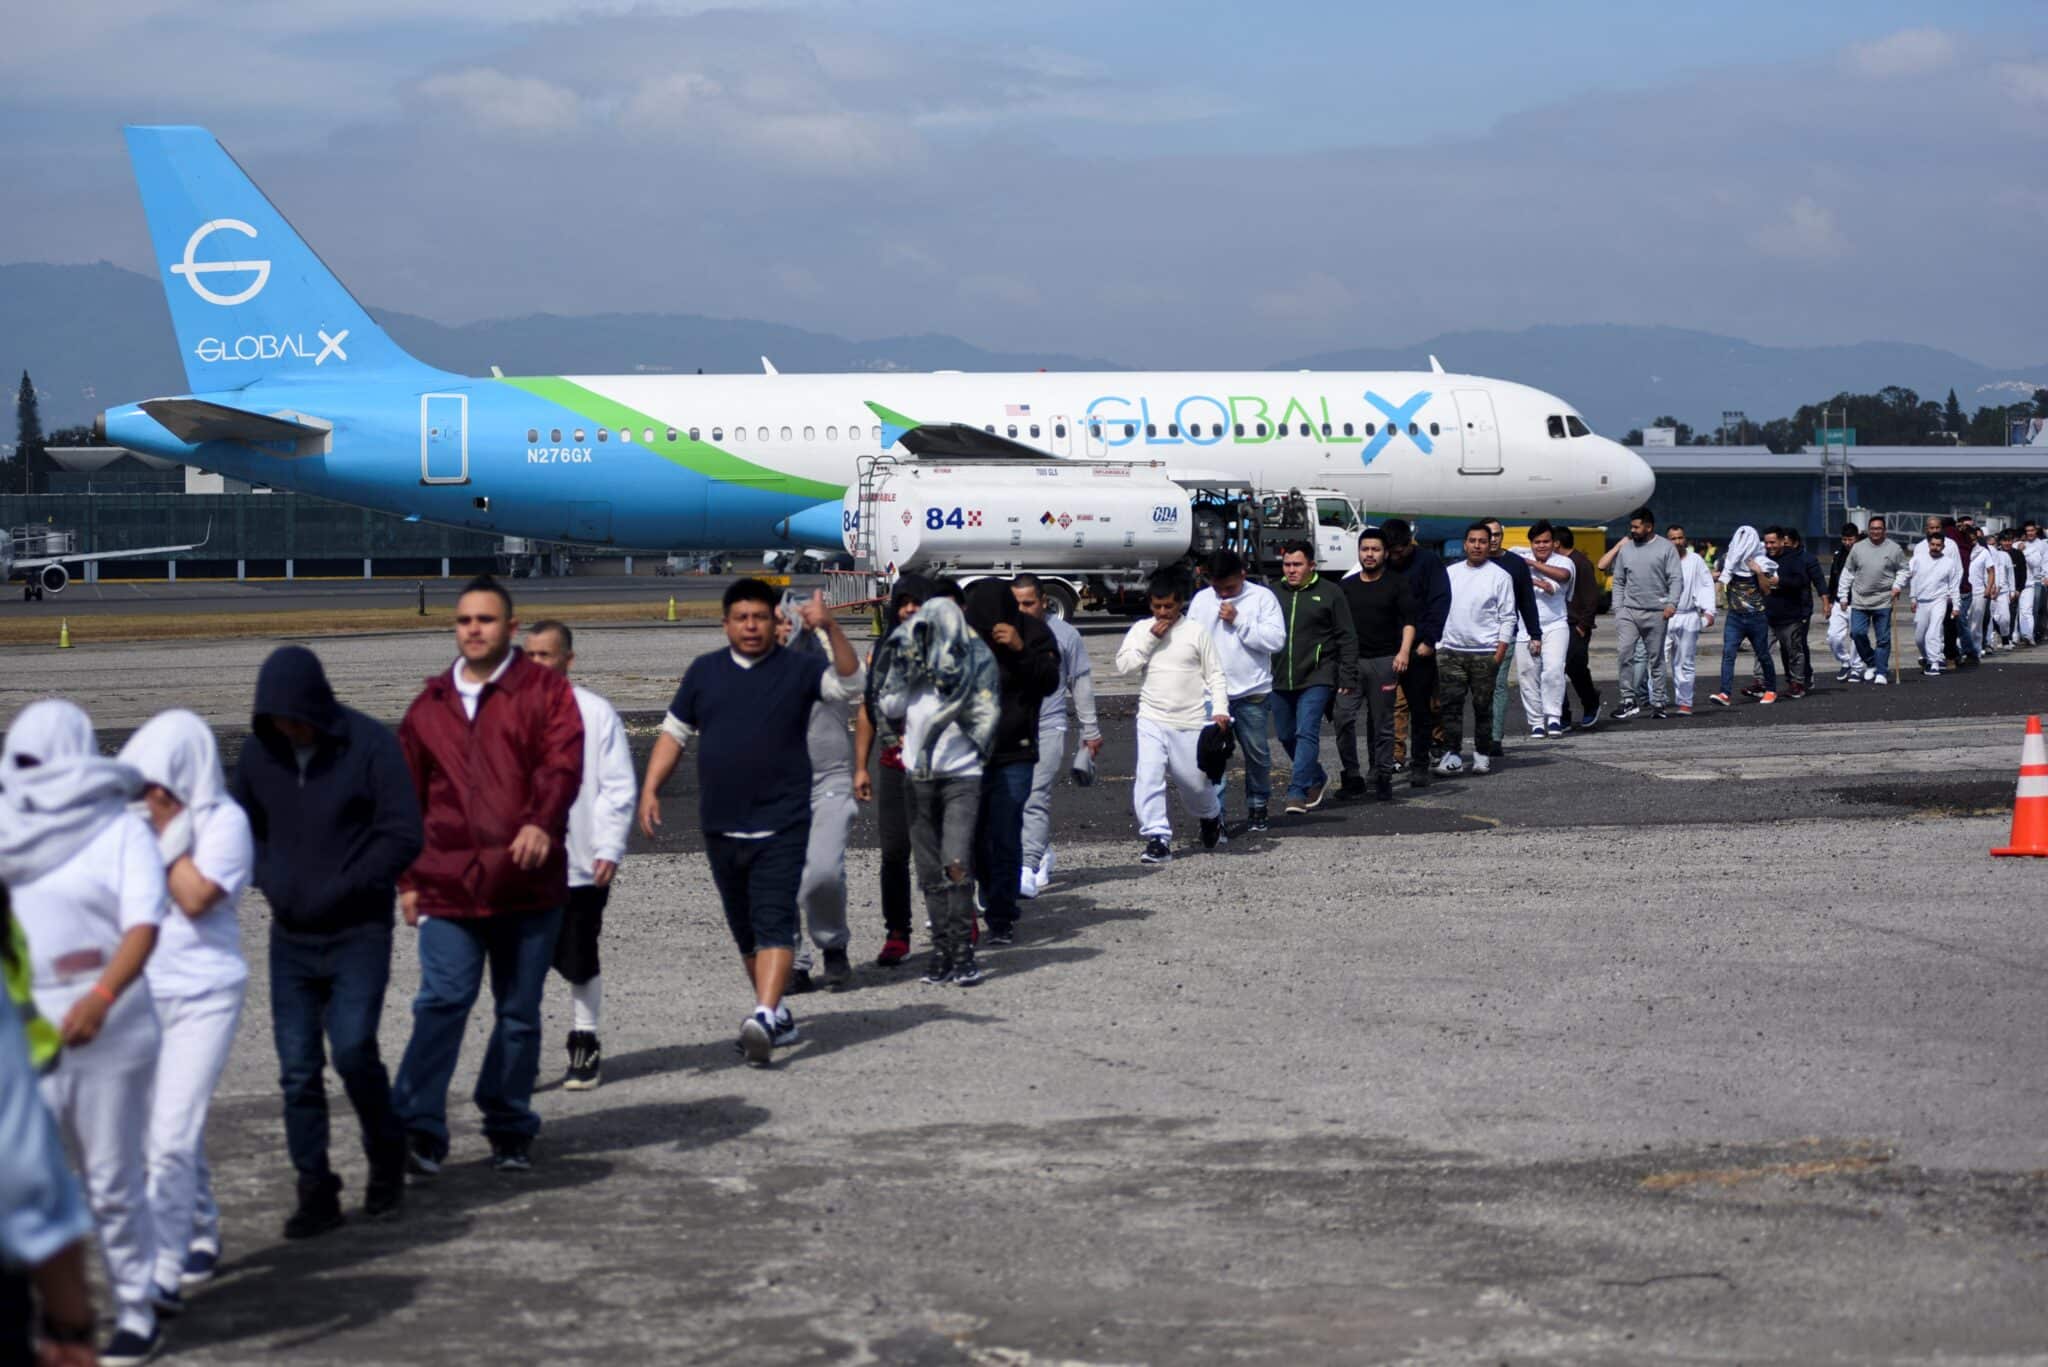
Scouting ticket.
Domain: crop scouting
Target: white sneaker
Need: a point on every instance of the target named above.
(1045, 869)
(1027, 883)
(1481, 764)
(1449, 764)
(1879, 679)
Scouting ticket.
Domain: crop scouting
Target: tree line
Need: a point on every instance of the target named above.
(1893, 416)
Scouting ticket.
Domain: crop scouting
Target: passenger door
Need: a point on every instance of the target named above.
(444, 438)
(1482, 435)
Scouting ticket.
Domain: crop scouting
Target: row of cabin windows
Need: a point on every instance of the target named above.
(1562, 423)
(1300, 429)
(648, 436)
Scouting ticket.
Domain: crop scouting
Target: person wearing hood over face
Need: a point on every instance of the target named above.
(1749, 575)
(88, 890)
(935, 695)
(331, 809)
(197, 977)
(821, 895)
(888, 787)
(1028, 667)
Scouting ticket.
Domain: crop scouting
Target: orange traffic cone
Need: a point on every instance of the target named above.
(2030, 807)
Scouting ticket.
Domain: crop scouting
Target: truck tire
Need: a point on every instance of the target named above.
(1060, 600)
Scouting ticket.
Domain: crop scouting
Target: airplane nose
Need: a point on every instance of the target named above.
(1633, 474)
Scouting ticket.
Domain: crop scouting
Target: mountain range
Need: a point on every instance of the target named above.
(97, 335)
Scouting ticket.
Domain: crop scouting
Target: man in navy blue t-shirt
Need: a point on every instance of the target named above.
(748, 708)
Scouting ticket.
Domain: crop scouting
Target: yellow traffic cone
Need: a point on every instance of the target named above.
(64, 634)
(672, 608)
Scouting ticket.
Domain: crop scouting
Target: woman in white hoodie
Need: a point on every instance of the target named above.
(197, 977)
(88, 891)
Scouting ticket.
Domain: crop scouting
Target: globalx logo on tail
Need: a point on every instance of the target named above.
(193, 269)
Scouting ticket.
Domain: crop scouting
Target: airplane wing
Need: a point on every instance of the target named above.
(952, 440)
(197, 421)
(137, 553)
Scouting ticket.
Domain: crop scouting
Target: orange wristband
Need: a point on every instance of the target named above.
(100, 989)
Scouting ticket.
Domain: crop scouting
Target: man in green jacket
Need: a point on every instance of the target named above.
(1319, 660)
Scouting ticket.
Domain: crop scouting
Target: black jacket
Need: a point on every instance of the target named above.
(1525, 593)
(331, 842)
(1787, 601)
(1027, 677)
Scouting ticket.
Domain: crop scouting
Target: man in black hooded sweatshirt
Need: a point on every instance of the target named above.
(1028, 669)
(331, 806)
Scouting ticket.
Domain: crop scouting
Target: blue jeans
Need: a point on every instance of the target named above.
(1861, 620)
(1754, 628)
(1298, 721)
(1251, 720)
(331, 988)
(1966, 636)
(453, 955)
(999, 839)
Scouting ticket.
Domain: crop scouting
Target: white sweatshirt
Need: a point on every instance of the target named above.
(1184, 685)
(1482, 609)
(1246, 645)
(603, 815)
(1929, 580)
(1696, 586)
(1552, 595)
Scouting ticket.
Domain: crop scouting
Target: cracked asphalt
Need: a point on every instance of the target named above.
(1709, 1041)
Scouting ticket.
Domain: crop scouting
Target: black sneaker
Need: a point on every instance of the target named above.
(939, 970)
(1353, 787)
(838, 970)
(1659, 714)
(385, 1194)
(1591, 719)
(1629, 711)
(166, 1300)
(1156, 851)
(1383, 787)
(1418, 778)
(586, 1061)
(130, 1349)
(511, 1155)
(200, 1265)
(1002, 939)
(423, 1155)
(1212, 832)
(783, 1032)
(1258, 819)
(966, 973)
(799, 983)
(319, 1212)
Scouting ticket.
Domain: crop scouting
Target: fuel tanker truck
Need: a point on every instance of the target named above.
(1092, 531)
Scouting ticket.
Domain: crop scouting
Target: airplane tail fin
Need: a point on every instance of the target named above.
(249, 299)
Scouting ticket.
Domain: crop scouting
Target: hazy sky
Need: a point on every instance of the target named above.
(1162, 184)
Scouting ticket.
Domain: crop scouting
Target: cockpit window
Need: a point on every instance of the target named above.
(1556, 422)
(1577, 426)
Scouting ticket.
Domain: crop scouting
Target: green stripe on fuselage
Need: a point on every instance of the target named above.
(702, 457)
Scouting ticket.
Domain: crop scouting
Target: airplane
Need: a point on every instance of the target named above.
(46, 573)
(294, 386)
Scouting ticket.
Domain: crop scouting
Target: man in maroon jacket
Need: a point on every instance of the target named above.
(496, 751)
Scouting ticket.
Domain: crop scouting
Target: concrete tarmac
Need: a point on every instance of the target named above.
(1713, 1040)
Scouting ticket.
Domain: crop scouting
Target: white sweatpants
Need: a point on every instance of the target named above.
(2001, 614)
(1840, 644)
(1980, 613)
(2026, 625)
(1928, 619)
(1540, 678)
(1168, 753)
(1681, 656)
(99, 1094)
(197, 1034)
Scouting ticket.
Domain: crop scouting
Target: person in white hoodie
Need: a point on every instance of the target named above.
(1244, 622)
(1184, 691)
(1542, 674)
(1695, 605)
(88, 888)
(197, 976)
(1934, 581)
(1986, 583)
(598, 826)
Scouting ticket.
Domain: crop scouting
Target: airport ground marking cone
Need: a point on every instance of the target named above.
(672, 607)
(2030, 806)
(64, 634)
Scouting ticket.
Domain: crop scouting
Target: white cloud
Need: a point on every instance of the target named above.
(1909, 52)
(492, 99)
(1806, 233)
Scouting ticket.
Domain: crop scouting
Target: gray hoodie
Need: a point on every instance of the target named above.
(1647, 577)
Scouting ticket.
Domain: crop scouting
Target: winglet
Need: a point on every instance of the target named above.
(894, 424)
(1436, 367)
(768, 367)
